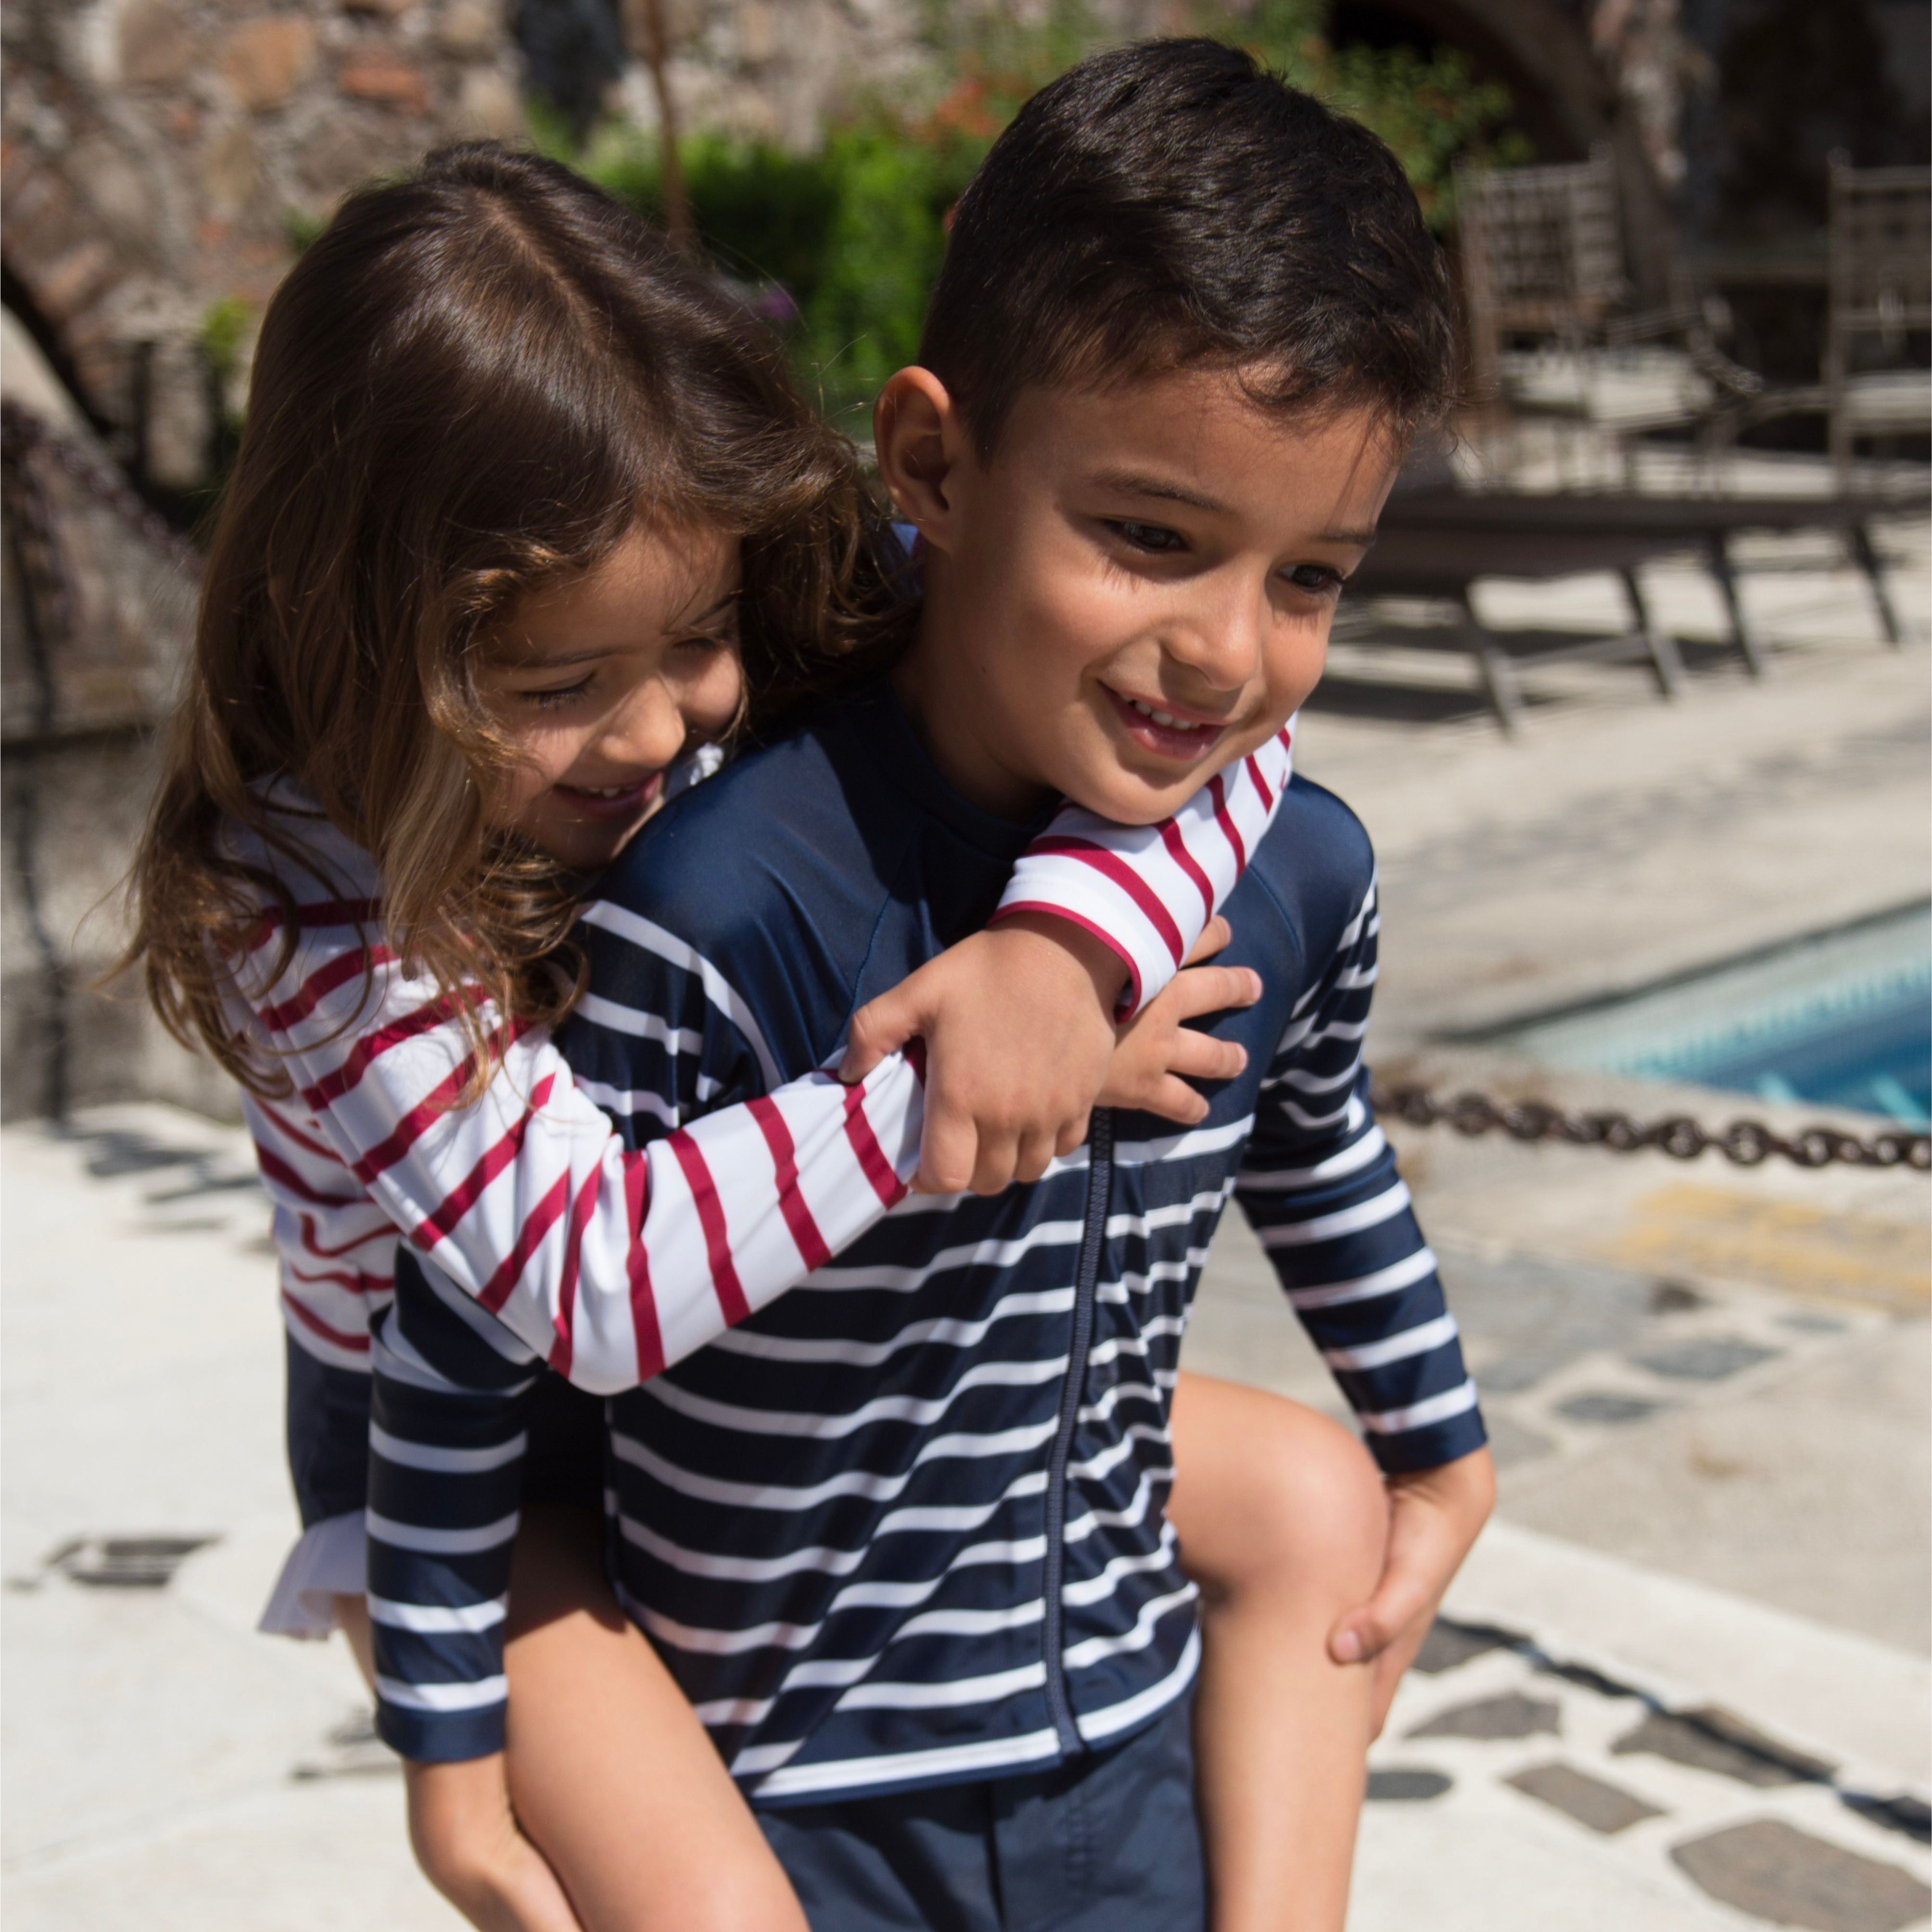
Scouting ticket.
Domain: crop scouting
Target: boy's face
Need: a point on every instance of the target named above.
(1137, 588)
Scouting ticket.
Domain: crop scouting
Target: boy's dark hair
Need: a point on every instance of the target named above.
(1170, 204)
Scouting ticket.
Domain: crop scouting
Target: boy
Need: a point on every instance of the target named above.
(901, 1537)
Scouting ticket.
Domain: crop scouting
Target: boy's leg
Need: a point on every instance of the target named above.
(1283, 1521)
(611, 1773)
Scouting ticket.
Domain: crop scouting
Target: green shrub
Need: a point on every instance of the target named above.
(840, 247)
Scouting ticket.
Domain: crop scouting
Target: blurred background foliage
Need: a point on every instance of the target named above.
(839, 246)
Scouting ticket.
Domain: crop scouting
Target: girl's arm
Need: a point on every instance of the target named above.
(609, 1263)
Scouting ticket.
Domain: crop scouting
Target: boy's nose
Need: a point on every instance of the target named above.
(1221, 641)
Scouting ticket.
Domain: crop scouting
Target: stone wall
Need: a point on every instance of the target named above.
(163, 160)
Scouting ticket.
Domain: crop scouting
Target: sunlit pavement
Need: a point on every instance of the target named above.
(1683, 1682)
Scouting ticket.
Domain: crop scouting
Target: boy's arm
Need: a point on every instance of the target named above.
(1319, 1185)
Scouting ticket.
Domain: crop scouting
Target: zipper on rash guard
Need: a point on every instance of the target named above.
(1093, 1240)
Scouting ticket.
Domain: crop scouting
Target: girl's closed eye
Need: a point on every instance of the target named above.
(1318, 579)
(560, 694)
(1153, 539)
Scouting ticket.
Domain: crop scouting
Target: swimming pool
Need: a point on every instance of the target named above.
(1844, 1019)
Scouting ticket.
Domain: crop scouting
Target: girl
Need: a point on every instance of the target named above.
(526, 517)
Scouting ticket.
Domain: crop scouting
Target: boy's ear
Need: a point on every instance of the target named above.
(920, 440)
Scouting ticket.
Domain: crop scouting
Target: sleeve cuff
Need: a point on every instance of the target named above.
(440, 1737)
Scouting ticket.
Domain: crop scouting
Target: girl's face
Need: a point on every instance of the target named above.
(602, 681)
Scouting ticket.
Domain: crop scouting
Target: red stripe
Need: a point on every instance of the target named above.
(289, 1131)
(313, 917)
(346, 966)
(563, 1351)
(810, 1244)
(643, 1303)
(725, 1282)
(385, 1232)
(373, 1045)
(1219, 792)
(536, 1224)
(871, 1160)
(274, 1168)
(360, 1343)
(1130, 998)
(358, 1283)
(1177, 850)
(1129, 881)
(1261, 784)
(455, 1205)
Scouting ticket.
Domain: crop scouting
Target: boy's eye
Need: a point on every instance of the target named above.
(1318, 579)
(1156, 539)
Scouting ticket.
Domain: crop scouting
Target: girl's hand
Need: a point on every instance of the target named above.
(1018, 1026)
(1158, 1055)
(468, 1845)
(1434, 1516)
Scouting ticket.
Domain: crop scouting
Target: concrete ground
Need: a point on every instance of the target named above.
(1683, 1682)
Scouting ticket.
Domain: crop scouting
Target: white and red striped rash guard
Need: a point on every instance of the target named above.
(613, 1263)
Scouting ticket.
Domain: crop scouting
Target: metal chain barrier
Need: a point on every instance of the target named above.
(1743, 1143)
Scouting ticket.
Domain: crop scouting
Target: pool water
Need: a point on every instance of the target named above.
(1842, 1019)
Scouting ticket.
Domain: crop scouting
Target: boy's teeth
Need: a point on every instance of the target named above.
(1165, 717)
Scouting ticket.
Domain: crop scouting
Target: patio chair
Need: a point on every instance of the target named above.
(1881, 287)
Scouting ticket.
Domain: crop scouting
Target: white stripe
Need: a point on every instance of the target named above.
(450, 1461)
(638, 1023)
(1130, 1710)
(883, 1409)
(433, 1617)
(1356, 1155)
(1404, 1273)
(1081, 1656)
(725, 1643)
(443, 1542)
(947, 1761)
(1417, 1341)
(944, 1695)
(1094, 1589)
(1420, 1414)
(474, 1696)
(1370, 1214)
(651, 938)
(741, 1711)
(941, 1331)
(1189, 1146)
(628, 1100)
(852, 1483)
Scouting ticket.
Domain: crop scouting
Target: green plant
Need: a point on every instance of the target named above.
(224, 328)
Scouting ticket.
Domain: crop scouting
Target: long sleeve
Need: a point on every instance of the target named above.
(1148, 891)
(1319, 1185)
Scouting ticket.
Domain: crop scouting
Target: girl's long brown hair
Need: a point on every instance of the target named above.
(476, 379)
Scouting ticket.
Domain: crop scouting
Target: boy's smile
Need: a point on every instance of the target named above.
(1134, 589)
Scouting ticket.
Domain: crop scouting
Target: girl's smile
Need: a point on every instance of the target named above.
(602, 681)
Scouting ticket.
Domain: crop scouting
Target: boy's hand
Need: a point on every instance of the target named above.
(468, 1845)
(1434, 1516)
(1018, 1032)
(1157, 1055)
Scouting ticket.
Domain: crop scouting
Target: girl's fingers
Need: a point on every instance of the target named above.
(992, 1170)
(948, 1150)
(1174, 1100)
(1212, 989)
(1201, 1056)
(1214, 936)
(1071, 1135)
(1035, 1156)
(880, 1027)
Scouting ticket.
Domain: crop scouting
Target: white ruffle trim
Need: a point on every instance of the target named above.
(329, 1561)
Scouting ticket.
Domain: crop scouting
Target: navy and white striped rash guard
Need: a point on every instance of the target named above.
(879, 1533)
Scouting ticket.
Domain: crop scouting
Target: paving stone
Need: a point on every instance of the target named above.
(1604, 1807)
(1509, 1442)
(1510, 1374)
(1597, 1405)
(1709, 1358)
(1777, 1873)
(1449, 1644)
(1813, 1324)
(1713, 1739)
(1510, 1715)
(1911, 1815)
(1406, 1787)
